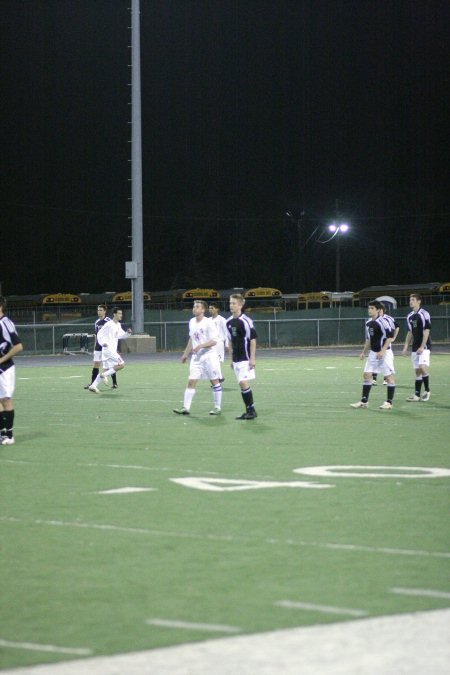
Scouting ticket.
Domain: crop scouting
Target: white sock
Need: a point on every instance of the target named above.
(188, 396)
(217, 395)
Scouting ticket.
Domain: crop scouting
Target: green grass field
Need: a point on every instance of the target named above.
(225, 532)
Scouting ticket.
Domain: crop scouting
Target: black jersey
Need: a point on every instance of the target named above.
(8, 338)
(417, 323)
(240, 331)
(99, 324)
(378, 331)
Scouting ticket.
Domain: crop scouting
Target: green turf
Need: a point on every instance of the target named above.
(81, 569)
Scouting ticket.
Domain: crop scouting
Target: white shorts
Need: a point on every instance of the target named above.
(243, 371)
(422, 359)
(384, 366)
(8, 382)
(205, 366)
(97, 357)
(110, 358)
(389, 359)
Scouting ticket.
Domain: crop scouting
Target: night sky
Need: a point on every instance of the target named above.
(250, 109)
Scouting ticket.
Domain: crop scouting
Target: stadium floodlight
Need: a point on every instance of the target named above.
(337, 230)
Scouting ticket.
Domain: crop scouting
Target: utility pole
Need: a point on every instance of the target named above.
(338, 249)
(134, 269)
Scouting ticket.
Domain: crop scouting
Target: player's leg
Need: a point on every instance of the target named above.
(244, 374)
(7, 386)
(370, 366)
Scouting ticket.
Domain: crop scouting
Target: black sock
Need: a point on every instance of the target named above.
(365, 392)
(94, 374)
(374, 376)
(247, 396)
(113, 377)
(426, 382)
(8, 422)
(390, 392)
(418, 386)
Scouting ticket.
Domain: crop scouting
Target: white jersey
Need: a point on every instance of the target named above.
(221, 326)
(109, 335)
(201, 332)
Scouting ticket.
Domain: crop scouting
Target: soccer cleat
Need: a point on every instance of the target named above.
(359, 404)
(248, 415)
(426, 396)
(385, 382)
(8, 441)
(94, 389)
(221, 379)
(374, 383)
(413, 397)
(181, 411)
(87, 386)
(216, 411)
(104, 378)
(386, 406)
(115, 386)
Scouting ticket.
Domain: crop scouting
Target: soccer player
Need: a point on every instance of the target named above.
(102, 319)
(10, 345)
(108, 338)
(419, 327)
(394, 327)
(242, 338)
(204, 364)
(221, 326)
(378, 346)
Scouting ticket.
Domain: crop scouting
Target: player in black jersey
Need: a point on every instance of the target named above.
(242, 340)
(377, 348)
(10, 345)
(102, 319)
(394, 327)
(419, 327)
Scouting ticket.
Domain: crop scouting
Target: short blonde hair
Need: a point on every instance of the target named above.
(237, 296)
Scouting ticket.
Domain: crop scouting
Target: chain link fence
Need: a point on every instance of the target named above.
(172, 335)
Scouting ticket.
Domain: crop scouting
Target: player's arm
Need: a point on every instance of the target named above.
(426, 335)
(15, 349)
(252, 359)
(365, 349)
(124, 334)
(384, 348)
(187, 351)
(407, 342)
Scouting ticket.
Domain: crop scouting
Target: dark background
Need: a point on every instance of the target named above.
(250, 109)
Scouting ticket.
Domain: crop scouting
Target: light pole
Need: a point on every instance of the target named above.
(337, 229)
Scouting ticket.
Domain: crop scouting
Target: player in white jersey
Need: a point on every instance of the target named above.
(10, 345)
(108, 337)
(221, 325)
(97, 360)
(204, 363)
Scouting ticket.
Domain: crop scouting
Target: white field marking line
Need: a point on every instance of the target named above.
(230, 538)
(123, 490)
(423, 592)
(326, 609)
(213, 627)
(111, 466)
(79, 651)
